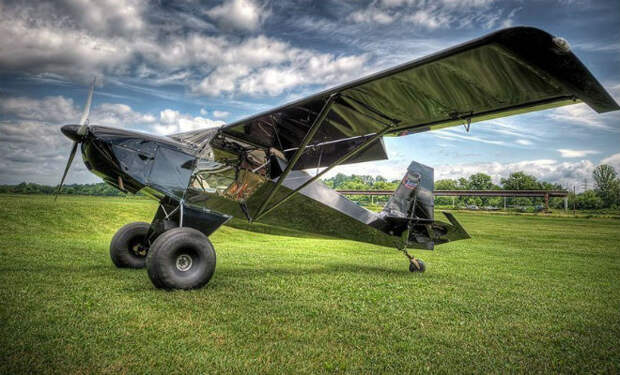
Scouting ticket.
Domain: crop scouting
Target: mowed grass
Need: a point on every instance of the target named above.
(525, 294)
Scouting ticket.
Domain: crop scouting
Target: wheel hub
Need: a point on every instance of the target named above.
(184, 262)
(139, 250)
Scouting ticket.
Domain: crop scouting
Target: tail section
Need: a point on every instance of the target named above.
(410, 212)
(417, 186)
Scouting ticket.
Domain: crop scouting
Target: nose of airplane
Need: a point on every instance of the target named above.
(72, 132)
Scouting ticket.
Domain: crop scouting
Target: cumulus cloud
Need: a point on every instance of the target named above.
(61, 110)
(74, 39)
(238, 14)
(433, 15)
(372, 14)
(32, 147)
(36, 152)
(568, 153)
(222, 80)
(43, 48)
(62, 41)
(613, 160)
(105, 16)
(172, 122)
(448, 3)
(298, 68)
(524, 142)
(427, 19)
(220, 114)
(53, 109)
(585, 117)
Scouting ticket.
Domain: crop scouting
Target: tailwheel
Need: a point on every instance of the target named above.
(415, 264)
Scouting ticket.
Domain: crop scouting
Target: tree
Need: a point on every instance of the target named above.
(337, 180)
(520, 181)
(606, 184)
(614, 195)
(446, 184)
(368, 180)
(480, 181)
(495, 202)
(463, 184)
(588, 200)
(604, 176)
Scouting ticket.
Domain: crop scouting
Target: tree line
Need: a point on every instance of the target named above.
(99, 189)
(606, 192)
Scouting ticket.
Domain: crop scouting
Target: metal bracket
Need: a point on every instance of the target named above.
(178, 208)
(171, 212)
(164, 209)
(467, 124)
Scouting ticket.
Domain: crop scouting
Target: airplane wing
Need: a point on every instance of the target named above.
(510, 71)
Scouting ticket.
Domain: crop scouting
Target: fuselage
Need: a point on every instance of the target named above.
(172, 171)
(218, 177)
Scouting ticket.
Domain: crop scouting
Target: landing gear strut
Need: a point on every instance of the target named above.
(415, 265)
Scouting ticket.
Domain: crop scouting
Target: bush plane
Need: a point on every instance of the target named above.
(254, 168)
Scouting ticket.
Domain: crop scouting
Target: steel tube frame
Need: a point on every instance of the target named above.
(318, 121)
(341, 160)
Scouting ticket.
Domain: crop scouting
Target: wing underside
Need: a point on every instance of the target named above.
(511, 71)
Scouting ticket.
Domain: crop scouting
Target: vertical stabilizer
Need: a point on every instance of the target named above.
(417, 185)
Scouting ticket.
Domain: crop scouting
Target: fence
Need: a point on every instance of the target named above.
(546, 194)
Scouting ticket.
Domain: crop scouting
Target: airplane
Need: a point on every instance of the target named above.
(254, 168)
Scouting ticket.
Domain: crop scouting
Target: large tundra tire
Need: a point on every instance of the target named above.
(181, 258)
(127, 248)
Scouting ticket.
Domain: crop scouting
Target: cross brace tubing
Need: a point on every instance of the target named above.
(341, 160)
(320, 119)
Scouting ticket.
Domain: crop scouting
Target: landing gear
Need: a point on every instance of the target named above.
(415, 264)
(419, 267)
(128, 246)
(181, 258)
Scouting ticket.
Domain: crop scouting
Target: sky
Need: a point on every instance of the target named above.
(166, 67)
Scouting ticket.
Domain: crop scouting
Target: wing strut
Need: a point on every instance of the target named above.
(262, 212)
(318, 121)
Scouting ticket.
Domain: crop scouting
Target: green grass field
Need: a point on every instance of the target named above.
(525, 294)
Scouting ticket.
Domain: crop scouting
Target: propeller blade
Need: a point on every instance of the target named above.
(82, 130)
(86, 112)
(71, 156)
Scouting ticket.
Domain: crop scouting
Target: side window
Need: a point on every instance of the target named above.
(212, 177)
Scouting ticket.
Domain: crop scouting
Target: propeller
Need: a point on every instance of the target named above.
(77, 134)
